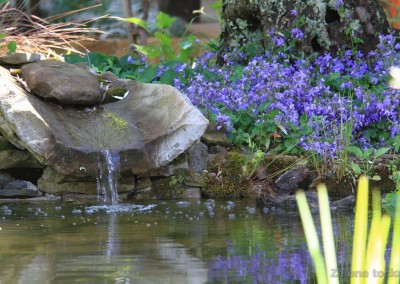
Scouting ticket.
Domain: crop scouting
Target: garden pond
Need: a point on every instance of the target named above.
(193, 241)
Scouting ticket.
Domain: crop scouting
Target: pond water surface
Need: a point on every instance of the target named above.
(193, 241)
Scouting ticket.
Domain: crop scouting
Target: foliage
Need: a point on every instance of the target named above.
(225, 178)
(285, 102)
(365, 161)
(169, 188)
(163, 49)
(119, 66)
(11, 45)
(368, 261)
(217, 5)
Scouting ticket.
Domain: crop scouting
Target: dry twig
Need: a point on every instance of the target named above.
(34, 34)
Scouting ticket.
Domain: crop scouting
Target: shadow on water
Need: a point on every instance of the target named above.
(163, 242)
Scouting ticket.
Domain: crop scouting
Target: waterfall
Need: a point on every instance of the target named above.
(107, 180)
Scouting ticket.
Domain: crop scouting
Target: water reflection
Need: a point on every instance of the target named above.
(170, 242)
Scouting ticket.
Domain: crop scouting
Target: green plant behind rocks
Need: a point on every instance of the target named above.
(11, 45)
(365, 160)
(225, 178)
(169, 188)
(163, 50)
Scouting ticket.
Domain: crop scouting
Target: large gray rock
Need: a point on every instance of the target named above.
(197, 156)
(148, 129)
(19, 188)
(290, 180)
(17, 58)
(17, 159)
(63, 82)
(215, 136)
(5, 178)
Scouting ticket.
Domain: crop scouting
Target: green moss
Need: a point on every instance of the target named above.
(225, 178)
(119, 91)
(4, 144)
(169, 188)
(182, 158)
(116, 121)
(100, 79)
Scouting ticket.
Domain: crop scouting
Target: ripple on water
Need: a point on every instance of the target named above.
(121, 208)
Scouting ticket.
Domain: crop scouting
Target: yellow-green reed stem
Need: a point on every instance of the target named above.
(394, 266)
(311, 237)
(376, 263)
(327, 234)
(360, 232)
(374, 229)
(383, 238)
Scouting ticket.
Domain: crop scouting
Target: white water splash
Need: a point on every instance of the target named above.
(126, 208)
(107, 180)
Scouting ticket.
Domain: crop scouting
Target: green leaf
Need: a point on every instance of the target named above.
(381, 152)
(2, 35)
(148, 75)
(217, 5)
(148, 51)
(164, 21)
(168, 77)
(133, 20)
(303, 119)
(367, 153)
(187, 42)
(163, 37)
(355, 150)
(74, 58)
(12, 47)
(356, 168)
(376, 178)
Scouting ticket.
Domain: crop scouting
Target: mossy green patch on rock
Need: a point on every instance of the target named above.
(4, 144)
(110, 94)
(118, 91)
(116, 121)
(225, 178)
(169, 188)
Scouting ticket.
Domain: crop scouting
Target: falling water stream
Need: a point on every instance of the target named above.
(107, 180)
(107, 186)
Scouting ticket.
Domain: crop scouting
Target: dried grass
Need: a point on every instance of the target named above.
(34, 34)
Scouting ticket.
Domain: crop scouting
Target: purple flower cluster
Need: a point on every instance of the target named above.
(312, 98)
(318, 103)
(288, 267)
